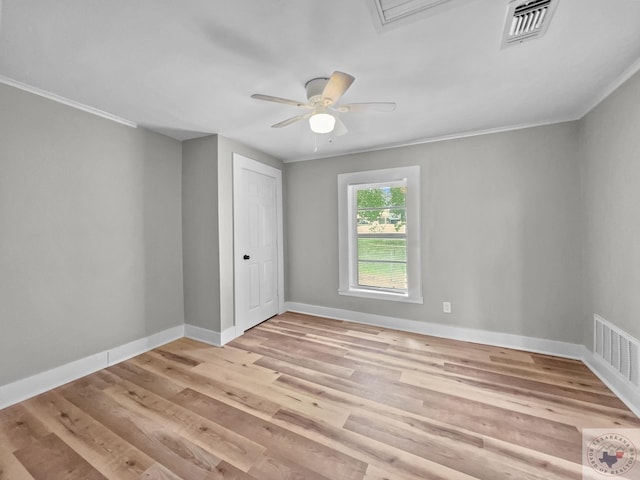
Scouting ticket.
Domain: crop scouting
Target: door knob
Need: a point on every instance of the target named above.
(246, 257)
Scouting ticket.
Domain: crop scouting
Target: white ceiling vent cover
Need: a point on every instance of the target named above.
(527, 20)
(392, 13)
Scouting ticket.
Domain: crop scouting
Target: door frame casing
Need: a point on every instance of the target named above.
(241, 162)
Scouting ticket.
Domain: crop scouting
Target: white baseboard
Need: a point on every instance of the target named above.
(498, 339)
(210, 336)
(137, 347)
(623, 390)
(229, 334)
(25, 388)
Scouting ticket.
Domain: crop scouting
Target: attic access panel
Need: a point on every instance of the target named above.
(393, 13)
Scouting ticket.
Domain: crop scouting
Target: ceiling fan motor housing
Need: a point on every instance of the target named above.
(315, 87)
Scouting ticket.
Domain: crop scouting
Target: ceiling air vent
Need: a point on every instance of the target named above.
(527, 20)
(391, 13)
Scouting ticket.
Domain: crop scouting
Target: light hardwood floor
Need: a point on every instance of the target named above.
(308, 398)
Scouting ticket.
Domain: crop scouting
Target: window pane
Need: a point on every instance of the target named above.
(380, 197)
(383, 275)
(397, 196)
(371, 198)
(381, 209)
(385, 249)
(387, 225)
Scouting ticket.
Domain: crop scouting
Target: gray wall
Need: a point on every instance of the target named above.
(610, 150)
(200, 232)
(208, 228)
(90, 238)
(500, 221)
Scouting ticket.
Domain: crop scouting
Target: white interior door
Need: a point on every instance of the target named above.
(257, 232)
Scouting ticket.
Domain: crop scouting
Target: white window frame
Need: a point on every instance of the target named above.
(347, 233)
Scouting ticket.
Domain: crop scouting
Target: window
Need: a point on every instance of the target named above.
(379, 228)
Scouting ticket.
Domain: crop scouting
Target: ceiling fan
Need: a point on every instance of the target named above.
(322, 101)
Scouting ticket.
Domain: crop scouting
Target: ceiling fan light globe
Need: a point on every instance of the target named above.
(322, 123)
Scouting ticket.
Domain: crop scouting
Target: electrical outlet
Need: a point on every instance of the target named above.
(446, 307)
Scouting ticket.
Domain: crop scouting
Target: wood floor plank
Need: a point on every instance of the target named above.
(477, 463)
(534, 459)
(206, 384)
(181, 359)
(146, 379)
(327, 334)
(385, 396)
(223, 443)
(604, 398)
(335, 365)
(271, 398)
(461, 410)
(224, 471)
(230, 371)
(557, 362)
(310, 398)
(279, 440)
(335, 325)
(457, 350)
(11, 468)
(158, 472)
(376, 473)
(51, 458)
(552, 376)
(368, 450)
(274, 467)
(555, 408)
(104, 450)
(432, 425)
(203, 352)
(19, 428)
(564, 367)
(163, 445)
(315, 347)
(330, 364)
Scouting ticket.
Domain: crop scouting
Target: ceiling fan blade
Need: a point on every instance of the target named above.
(291, 120)
(286, 101)
(368, 107)
(336, 86)
(339, 128)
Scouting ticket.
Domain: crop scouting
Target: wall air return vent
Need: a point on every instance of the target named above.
(392, 13)
(527, 20)
(618, 349)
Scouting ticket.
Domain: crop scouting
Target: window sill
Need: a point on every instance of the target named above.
(394, 297)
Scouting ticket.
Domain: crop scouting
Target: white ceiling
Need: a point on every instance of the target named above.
(187, 68)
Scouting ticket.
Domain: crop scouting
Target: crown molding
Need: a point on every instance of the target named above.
(66, 101)
(442, 138)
